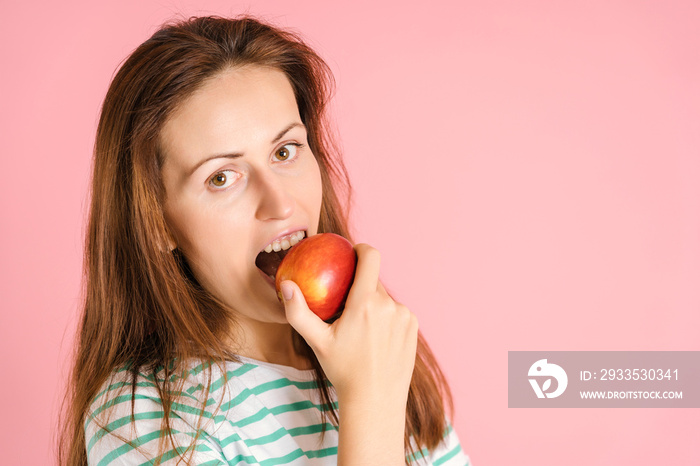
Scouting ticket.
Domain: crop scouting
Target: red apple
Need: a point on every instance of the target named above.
(323, 266)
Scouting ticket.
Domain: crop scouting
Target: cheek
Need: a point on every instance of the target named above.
(185, 224)
(219, 263)
(204, 235)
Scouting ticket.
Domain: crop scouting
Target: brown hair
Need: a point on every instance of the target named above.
(141, 305)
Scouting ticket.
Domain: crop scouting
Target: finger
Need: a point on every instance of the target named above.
(309, 325)
(366, 272)
(382, 290)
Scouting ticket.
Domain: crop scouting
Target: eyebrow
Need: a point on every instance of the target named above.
(236, 155)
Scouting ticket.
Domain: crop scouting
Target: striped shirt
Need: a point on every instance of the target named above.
(257, 414)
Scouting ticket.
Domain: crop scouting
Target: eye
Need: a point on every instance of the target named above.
(287, 151)
(223, 179)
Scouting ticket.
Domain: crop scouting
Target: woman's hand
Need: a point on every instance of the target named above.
(372, 346)
(368, 355)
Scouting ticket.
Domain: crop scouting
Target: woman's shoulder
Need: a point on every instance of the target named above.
(194, 388)
(209, 402)
(129, 391)
(126, 420)
(190, 382)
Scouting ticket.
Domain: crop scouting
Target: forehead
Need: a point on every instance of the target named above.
(231, 112)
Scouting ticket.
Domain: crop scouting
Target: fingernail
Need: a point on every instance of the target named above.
(287, 291)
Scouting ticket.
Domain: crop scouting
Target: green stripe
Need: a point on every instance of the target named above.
(229, 374)
(322, 453)
(127, 366)
(123, 398)
(165, 456)
(175, 406)
(137, 442)
(116, 401)
(264, 387)
(231, 438)
(200, 367)
(246, 459)
(298, 453)
(194, 371)
(112, 426)
(120, 399)
(143, 439)
(423, 453)
(302, 405)
(282, 459)
(297, 406)
(259, 389)
(120, 385)
(451, 454)
(313, 429)
(195, 388)
(178, 452)
(278, 434)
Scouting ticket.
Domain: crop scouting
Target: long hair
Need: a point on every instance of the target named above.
(142, 306)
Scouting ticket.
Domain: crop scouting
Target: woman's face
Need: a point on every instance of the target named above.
(239, 176)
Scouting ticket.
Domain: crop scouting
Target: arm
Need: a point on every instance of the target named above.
(368, 355)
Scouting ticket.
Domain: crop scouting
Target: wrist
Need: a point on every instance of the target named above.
(387, 400)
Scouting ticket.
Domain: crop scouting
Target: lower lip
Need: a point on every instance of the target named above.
(268, 279)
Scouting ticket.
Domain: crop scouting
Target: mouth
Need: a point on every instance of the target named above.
(270, 258)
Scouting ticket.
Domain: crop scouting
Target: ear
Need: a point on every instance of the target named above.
(169, 245)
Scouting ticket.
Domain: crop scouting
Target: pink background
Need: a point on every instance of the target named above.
(529, 171)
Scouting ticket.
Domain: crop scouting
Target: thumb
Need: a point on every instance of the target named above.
(309, 325)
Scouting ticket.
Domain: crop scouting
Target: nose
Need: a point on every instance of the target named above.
(274, 201)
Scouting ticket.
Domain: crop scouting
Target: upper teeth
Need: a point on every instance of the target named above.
(285, 242)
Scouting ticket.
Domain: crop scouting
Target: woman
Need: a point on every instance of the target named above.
(211, 147)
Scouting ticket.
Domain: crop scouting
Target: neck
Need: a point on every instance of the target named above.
(268, 342)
